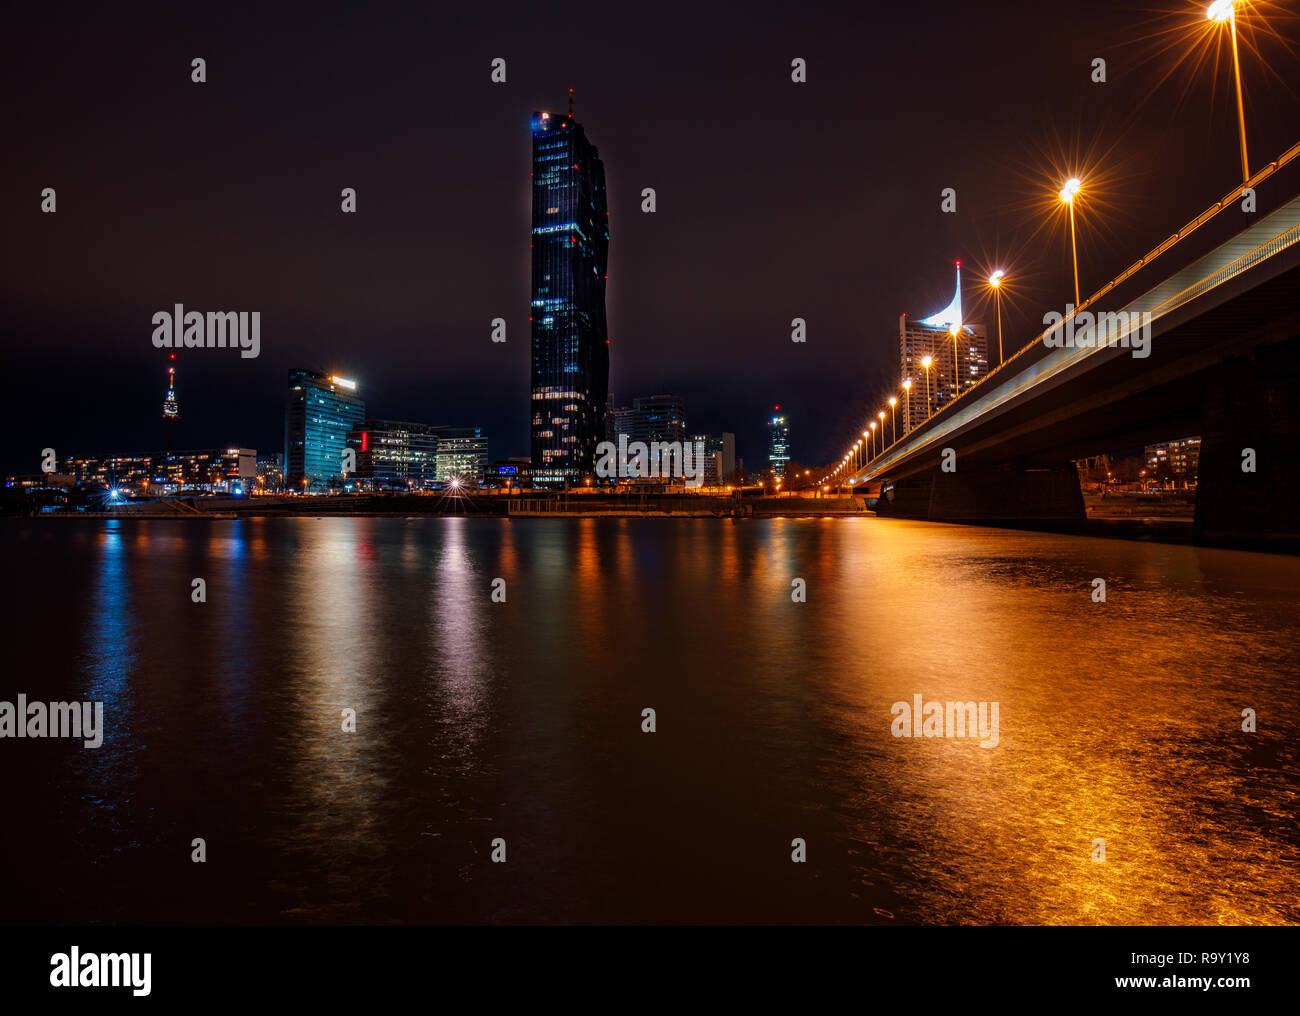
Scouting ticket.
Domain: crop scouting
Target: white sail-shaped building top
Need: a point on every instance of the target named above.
(950, 316)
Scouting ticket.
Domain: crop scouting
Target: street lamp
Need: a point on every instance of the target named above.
(956, 371)
(881, 416)
(995, 280)
(893, 421)
(1068, 193)
(873, 436)
(907, 387)
(1226, 11)
(925, 362)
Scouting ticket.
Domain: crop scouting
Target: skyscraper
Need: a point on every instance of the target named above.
(570, 347)
(933, 337)
(320, 412)
(778, 443)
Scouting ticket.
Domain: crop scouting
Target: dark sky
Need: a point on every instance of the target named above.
(775, 200)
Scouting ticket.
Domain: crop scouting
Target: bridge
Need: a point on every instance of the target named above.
(1223, 362)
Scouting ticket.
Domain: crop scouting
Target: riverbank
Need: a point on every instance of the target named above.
(533, 505)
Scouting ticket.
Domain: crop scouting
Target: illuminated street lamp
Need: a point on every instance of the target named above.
(881, 416)
(1068, 194)
(893, 422)
(925, 362)
(907, 387)
(954, 331)
(873, 436)
(995, 280)
(1225, 11)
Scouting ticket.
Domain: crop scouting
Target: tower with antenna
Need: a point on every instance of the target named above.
(170, 409)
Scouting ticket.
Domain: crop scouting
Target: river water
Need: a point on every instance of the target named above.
(521, 721)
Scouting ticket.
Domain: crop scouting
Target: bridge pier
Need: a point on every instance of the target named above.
(1004, 493)
(1251, 402)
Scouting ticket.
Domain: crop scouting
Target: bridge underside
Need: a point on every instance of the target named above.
(1007, 493)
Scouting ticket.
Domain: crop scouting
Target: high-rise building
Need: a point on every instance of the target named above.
(655, 418)
(570, 345)
(619, 420)
(719, 457)
(778, 442)
(933, 337)
(660, 418)
(320, 412)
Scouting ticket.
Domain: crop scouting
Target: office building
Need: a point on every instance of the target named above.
(719, 458)
(655, 418)
(321, 410)
(778, 443)
(462, 456)
(570, 346)
(394, 455)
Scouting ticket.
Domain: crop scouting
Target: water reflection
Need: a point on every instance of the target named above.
(1120, 721)
(110, 773)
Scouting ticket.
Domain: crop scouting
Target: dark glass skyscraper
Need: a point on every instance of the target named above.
(570, 243)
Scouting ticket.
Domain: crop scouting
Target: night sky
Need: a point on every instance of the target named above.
(775, 200)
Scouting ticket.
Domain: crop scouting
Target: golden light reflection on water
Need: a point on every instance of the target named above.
(1119, 721)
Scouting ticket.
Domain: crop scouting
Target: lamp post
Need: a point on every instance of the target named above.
(925, 362)
(1068, 194)
(881, 417)
(995, 280)
(1225, 11)
(893, 420)
(907, 420)
(954, 331)
(873, 437)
